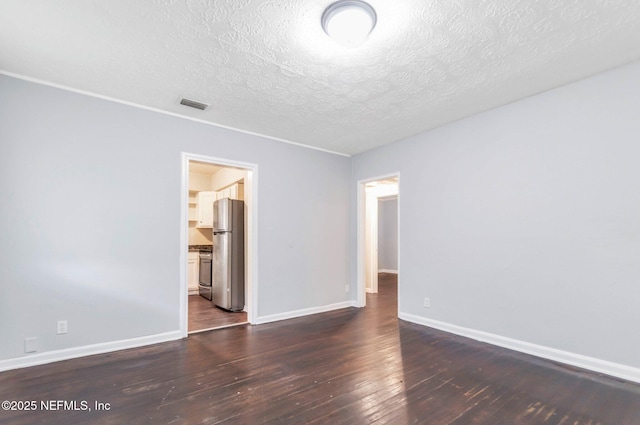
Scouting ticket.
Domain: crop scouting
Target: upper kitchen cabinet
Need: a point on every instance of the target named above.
(235, 191)
(205, 209)
(205, 203)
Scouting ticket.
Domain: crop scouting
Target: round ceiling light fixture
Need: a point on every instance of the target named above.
(349, 22)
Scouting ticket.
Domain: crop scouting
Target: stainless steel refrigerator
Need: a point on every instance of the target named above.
(228, 254)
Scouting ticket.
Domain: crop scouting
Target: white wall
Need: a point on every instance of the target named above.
(524, 221)
(200, 181)
(226, 177)
(198, 236)
(388, 234)
(90, 218)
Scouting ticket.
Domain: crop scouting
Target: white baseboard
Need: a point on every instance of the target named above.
(601, 366)
(89, 350)
(86, 350)
(388, 271)
(303, 312)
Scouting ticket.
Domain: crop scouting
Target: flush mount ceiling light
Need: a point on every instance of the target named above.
(349, 22)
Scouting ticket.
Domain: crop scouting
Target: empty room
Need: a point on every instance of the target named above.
(320, 212)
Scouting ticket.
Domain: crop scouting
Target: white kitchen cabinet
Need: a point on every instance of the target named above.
(205, 199)
(205, 209)
(235, 191)
(193, 271)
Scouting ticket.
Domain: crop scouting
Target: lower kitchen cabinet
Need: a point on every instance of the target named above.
(193, 272)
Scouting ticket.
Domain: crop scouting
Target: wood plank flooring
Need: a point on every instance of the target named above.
(351, 366)
(204, 315)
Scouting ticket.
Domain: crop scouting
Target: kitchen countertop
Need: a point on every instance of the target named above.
(198, 248)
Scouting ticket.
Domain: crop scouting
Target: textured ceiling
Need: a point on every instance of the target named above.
(266, 66)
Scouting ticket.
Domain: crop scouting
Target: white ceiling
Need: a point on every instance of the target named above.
(266, 66)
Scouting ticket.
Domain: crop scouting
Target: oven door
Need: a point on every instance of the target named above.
(204, 284)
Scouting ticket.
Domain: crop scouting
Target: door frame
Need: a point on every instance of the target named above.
(251, 262)
(361, 263)
(371, 219)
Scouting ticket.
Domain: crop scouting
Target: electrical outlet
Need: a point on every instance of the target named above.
(62, 327)
(427, 302)
(30, 345)
(347, 288)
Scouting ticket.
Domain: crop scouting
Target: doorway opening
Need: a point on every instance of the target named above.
(206, 180)
(378, 207)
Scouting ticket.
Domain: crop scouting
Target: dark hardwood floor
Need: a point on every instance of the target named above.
(203, 315)
(351, 366)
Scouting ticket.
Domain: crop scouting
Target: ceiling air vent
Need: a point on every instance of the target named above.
(193, 104)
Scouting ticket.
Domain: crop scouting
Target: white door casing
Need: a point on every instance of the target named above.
(367, 255)
(251, 247)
